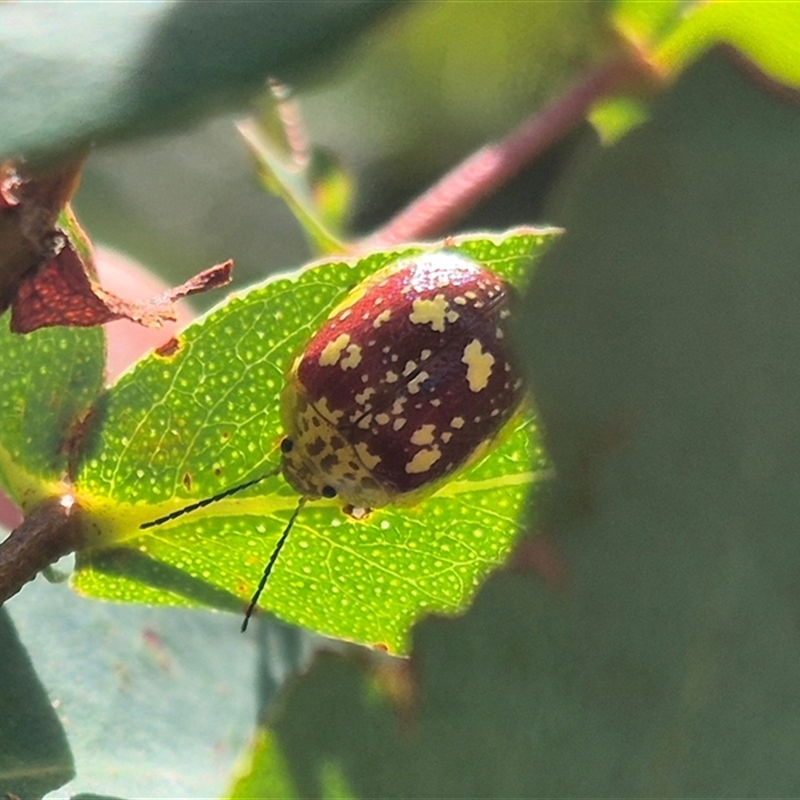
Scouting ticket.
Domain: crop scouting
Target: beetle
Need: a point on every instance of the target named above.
(408, 381)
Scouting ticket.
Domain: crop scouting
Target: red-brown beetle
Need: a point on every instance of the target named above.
(408, 380)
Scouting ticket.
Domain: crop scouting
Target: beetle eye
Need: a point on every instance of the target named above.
(328, 492)
(287, 445)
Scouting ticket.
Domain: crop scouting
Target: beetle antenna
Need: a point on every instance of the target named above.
(271, 563)
(208, 500)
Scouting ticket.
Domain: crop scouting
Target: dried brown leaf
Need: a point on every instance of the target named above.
(63, 293)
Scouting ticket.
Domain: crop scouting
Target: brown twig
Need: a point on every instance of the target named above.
(454, 195)
(50, 531)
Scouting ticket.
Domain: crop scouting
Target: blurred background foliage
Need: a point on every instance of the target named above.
(421, 89)
(418, 92)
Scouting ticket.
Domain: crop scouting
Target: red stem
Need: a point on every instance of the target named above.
(454, 195)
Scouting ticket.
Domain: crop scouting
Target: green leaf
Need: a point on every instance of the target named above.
(34, 755)
(187, 426)
(648, 23)
(263, 772)
(676, 34)
(158, 701)
(663, 333)
(79, 73)
(645, 25)
(50, 378)
(768, 33)
(614, 117)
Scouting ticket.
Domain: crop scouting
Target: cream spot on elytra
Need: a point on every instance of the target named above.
(457, 422)
(423, 460)
(367, 459)
(365, 395)
(328, 413)
(430, 312)
(391, 377)
(479, 365)
(398, 423)
(333, 350)
(353, 358)
(397, 406)
(381, 318)
(423, 435)
(415, 384)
